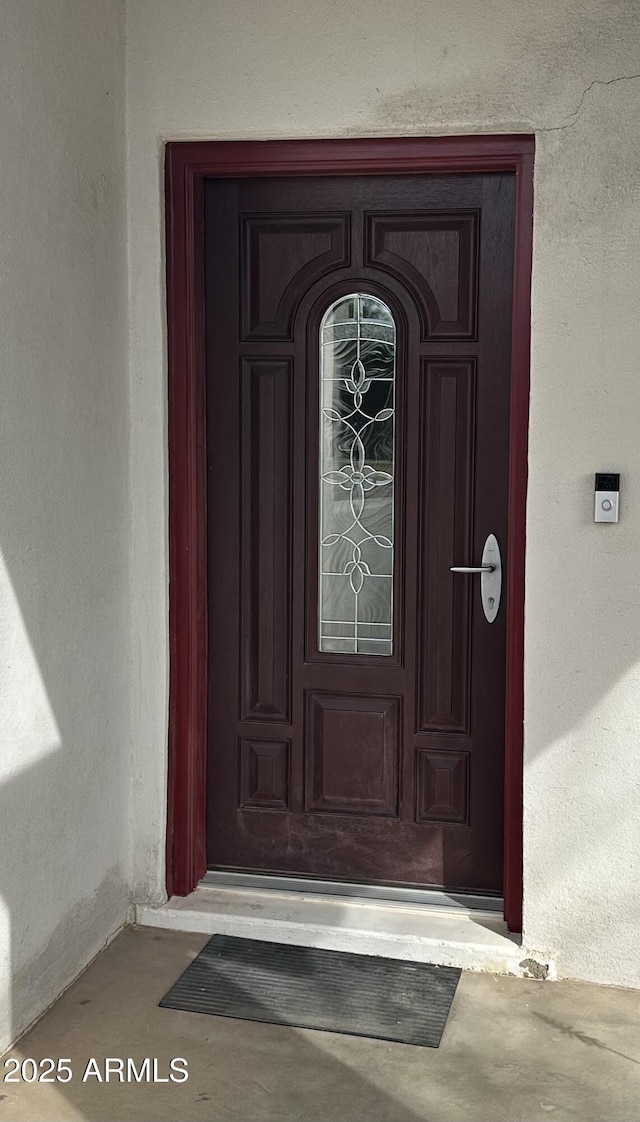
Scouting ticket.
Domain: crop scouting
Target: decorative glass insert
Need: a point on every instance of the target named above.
(357, 453)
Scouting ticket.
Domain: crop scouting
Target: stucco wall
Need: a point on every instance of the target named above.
(568, 70)
(64, 631)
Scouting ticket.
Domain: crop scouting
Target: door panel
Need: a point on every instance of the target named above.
(283, 255)
(436, 258)
(266, 456)
(447, 424)
(322, 761)
(364, 780)
(264, 774)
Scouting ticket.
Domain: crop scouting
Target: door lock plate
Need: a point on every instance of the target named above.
(491, 582)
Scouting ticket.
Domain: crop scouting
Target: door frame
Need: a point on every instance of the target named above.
(187, 165)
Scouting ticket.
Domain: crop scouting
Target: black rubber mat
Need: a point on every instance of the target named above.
(308, 988)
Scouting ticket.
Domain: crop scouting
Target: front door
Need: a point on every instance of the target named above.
(358, 372)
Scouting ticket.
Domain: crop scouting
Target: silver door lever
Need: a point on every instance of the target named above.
(490, 577)
(472, 569)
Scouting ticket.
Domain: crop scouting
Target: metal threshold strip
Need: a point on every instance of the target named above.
(377, 893)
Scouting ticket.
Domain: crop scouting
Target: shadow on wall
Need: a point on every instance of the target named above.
(54, 912)
(64, 627)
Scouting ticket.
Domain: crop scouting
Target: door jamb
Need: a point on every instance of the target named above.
(187, 164)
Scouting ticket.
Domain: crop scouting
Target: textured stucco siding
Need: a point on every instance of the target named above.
(64, 512)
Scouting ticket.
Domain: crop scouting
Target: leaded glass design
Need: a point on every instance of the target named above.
(357, 452)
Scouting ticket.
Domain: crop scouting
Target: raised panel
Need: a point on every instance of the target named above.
(442, 786)
(448, 390)
(283, 255)
(264, 774)
(436, 257)
(266, 533)
(352, 747)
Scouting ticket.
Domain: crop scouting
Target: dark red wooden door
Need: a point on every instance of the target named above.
(358, 348)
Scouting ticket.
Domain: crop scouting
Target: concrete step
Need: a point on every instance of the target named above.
(473, 940)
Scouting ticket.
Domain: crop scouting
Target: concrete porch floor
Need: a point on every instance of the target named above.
(513, 1050)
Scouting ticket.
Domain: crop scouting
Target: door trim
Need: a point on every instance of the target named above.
(187, 165)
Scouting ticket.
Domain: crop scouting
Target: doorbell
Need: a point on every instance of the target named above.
(607, 497)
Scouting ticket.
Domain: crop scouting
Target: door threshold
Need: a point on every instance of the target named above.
(378, 893)
(472, 940)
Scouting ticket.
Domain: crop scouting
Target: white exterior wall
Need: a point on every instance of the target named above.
(64, 628)
(568, 70)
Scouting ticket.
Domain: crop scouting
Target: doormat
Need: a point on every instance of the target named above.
(304, 987)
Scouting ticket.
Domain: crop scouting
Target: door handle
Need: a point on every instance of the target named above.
(490, 577)
(472, 569)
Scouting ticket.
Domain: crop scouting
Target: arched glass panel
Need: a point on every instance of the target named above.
(357, 461)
